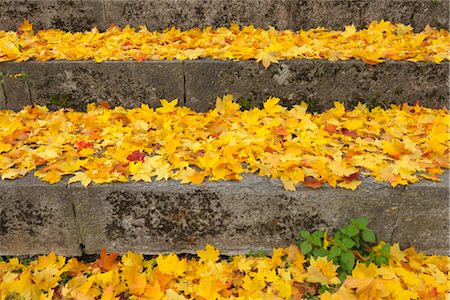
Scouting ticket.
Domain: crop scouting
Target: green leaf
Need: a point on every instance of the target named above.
(343, 276)
(361, 222)
(347, 261)
(386, 250)
(348, 243)
(317, 234)
(384, 261)
(304, 234)
(306, 247)
(334, 252)
(352, 230)
(368, 235)
(316, 241)
(320, 252)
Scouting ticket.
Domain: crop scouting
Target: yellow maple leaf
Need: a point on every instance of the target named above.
(322, 271)
(266, 57)
(108, 293)
(81, 177)
(167, 107)
(26, 26)
(397, 253)
(171, 265)
(271, 105)
(135, 280)
(209, 254)
(13, 173)
(351, 185)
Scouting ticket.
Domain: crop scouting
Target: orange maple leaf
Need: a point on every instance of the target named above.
(107, 262)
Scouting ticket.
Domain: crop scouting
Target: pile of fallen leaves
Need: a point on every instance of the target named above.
(378, 42)
(397, 145)
(285, 275)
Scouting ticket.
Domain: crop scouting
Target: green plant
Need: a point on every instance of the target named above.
(256, 253)
(351, 243)
(245, 103)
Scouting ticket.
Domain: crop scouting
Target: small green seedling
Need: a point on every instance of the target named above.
(351, 243)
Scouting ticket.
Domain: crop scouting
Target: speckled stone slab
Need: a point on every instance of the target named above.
(317, 82)
(73, 84)
(36, 218)
(236, 217)
(70, 15)
(253, 214)
(424, 214)
(78, 15)
(197, 83)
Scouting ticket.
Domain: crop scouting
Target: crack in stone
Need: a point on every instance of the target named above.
(3, 105)
(394, 229)
(105, 16)
(184, 83)
(80, 238)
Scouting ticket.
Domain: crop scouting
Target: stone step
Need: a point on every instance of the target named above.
(80, 15)
(197, 83)
(254, 214)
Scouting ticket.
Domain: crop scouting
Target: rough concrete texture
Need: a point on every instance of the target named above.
(75, 83)
(236, 217)
(70, 15)
(318, 82)
(185, 14)
(336, 14)
(253, 214)
(424, 216)
(77, 15)
(36, 218)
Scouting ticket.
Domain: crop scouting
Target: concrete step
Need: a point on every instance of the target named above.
(256, 213)
(197, 83)
(79, 15)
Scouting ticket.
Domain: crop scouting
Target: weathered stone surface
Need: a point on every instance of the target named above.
(76, 83)
(336, 14)
(78, 15)
(2, 97)
(424, 217)
(185, 14)
(36, 218)
(318, 82)
(70, 15)
(256, 213)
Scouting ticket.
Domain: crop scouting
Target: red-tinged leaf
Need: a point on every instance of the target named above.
(83, 144)
(142, 57)
(280, 131)
(351, 177)
(136, 156)
(232, 176)
(270, 150)
(105, 104)
(107, 262)
(330, 128)
(351, 133)
(310, 181)
(26, 26)
(200, 153)
(369, 62)
(119, 168)
(429, 295)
